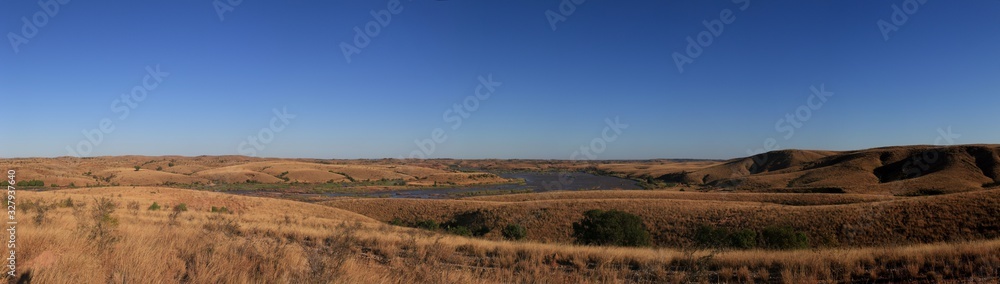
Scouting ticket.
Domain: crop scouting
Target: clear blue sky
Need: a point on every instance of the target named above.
(607, 59)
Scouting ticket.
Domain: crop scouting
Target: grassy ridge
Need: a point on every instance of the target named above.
(673, 222)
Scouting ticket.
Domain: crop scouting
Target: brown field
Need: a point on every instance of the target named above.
(106, 171)
(278, 241)
(673, 218)
(869, 215)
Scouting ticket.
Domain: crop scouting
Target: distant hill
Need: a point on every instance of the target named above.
(902, 170)
(211, 170)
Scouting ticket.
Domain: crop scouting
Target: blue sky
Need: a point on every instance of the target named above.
(607, 59)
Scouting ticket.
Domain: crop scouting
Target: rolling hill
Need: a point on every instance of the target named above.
(904, 170)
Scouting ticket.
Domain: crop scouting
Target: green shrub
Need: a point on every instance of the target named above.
(180, 207)
(397, 222)
(474, 221)
(137, 168)
(743, 239)
(159, 168)
(611, 228)
(427, 224)
(154, 207)
(460, 230)
(707, 236)
(171, 164)
(514, 232)
(783, 238)
(25, 183)
(104, 224)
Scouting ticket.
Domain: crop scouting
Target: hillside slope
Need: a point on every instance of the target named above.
(904, 170)
(672, 218)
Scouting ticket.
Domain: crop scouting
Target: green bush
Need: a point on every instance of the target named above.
(137, 168)
(611, 228)
(460, 230)
(180, 207)
(428, 224)
(743, 239)
(707, 236)
(514, 232)
(397, 222)
(104, 224)
(710, 237)
(154, 207)
(25, 183)
(783, 238)
(474, 221)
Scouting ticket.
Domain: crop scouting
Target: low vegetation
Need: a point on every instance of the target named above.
(771, 237)
(611, 228)
(335, 245)
(25, 183)
(514, 232)
(721, 223)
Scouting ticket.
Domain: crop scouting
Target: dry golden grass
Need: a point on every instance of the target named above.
(164, 170)
(654, 168)
(673, 217)
(458, 179)
(276, 241)
(903, 170)
(279, 241)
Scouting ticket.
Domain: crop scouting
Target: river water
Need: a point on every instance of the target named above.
(533, 182)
